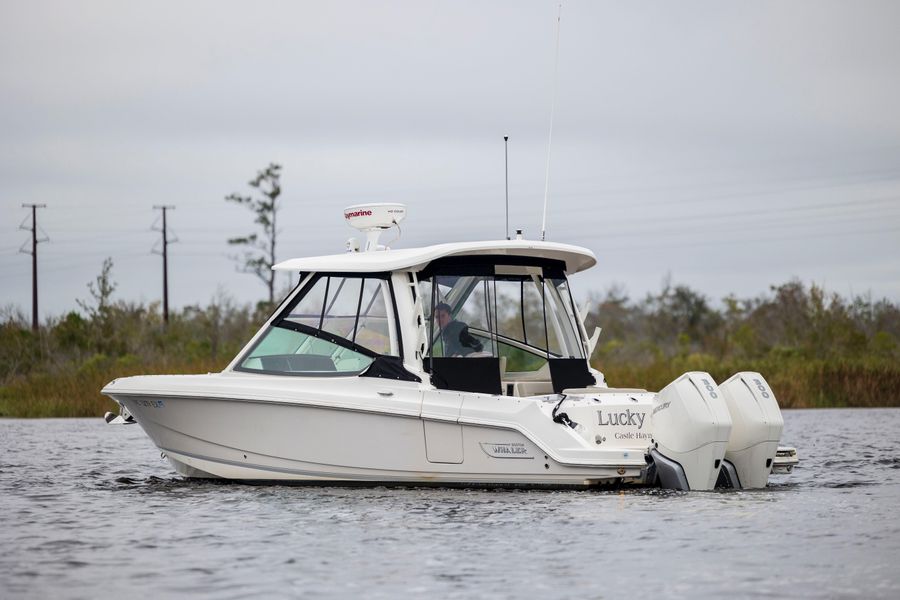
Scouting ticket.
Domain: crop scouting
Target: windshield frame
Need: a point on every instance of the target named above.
(281, 320)
(551, 273)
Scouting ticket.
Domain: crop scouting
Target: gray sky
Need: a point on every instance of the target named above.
(732, 145)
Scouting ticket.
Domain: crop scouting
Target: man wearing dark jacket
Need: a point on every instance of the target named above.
(455, 334)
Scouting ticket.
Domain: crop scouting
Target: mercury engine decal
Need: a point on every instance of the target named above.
(662, 406)
(505, 450)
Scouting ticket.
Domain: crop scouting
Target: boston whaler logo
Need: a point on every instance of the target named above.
(505, 449)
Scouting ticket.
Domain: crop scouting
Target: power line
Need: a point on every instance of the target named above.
(732, 241)
(717, 190)
(830, 209)
(756, 217)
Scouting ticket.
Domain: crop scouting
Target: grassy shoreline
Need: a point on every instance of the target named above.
(76, 393)
(813, 384)
(815, 349)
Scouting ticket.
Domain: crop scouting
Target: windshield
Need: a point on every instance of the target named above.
(336, 325)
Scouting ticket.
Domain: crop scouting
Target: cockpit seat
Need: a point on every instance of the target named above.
(297, 362)
(524, 389)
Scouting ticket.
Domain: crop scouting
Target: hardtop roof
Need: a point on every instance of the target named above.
(575, 258)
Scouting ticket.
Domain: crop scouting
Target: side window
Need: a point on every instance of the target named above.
(476, 308)
(510, 321)
(341, 306)
(536, 333)
(523, 316)
(373, 329)
(338, 325)
(519, 360)
(308, 310)
(564, 338)
(460, 316)
(515, 319)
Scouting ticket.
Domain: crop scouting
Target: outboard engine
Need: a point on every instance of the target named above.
(691, 428)
(756, 430)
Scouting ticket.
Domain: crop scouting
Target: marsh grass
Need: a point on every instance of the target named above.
(815, 349)
(797, 384)
(59, 370)
(75, 392)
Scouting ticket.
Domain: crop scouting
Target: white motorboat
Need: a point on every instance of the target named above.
(453, 364)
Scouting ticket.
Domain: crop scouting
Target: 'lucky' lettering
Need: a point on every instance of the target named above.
(625, 418)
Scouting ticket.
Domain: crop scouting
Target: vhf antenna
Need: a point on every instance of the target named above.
(550, 136)
(506, 171)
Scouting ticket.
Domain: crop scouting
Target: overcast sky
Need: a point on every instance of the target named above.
(732, 145)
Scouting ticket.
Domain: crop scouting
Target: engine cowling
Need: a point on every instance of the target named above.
(691, 429)
(756, 428)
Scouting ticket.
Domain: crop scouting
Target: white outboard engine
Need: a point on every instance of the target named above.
(756, 430)
(691, 428)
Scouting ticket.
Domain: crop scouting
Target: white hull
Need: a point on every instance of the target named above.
(365, 375)
(255, 427)
(289, 440)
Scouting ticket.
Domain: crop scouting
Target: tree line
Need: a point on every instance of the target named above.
(815, 348)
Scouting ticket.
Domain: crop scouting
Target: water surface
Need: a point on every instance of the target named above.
(91, 510)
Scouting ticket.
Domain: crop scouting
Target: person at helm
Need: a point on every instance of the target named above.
(455, 334)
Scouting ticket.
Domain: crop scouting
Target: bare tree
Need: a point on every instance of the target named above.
(101, 292)
(259, 251)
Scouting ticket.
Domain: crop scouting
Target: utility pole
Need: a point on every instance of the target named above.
(165, 255)
(33, 253)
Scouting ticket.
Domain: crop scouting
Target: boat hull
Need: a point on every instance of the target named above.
(262, 440)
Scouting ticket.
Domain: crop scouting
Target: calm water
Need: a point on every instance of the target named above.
(90, 510)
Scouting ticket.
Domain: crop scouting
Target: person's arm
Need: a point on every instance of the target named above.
(467, 340)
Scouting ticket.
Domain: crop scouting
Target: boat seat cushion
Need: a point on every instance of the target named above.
(524, 389)
(297, 363)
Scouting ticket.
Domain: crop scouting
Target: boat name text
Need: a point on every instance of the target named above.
(623, 418)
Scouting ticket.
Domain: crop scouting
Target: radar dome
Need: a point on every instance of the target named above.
(369, 217)
(374, 218)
